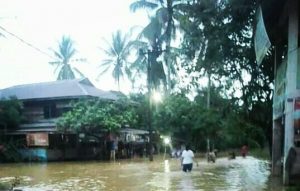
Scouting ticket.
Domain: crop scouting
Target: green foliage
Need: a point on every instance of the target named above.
(141, 106)
(173, 116)
(92, 115)
(10, 113)
(223, 123)
(217, 39)
(10, 151)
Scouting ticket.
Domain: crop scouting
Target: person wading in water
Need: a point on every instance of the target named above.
(187, 159)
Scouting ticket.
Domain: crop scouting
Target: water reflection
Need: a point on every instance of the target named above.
(186, 182)
(247, 173)
(167, 166)
(135, 175)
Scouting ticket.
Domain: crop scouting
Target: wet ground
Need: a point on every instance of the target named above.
(141, 175)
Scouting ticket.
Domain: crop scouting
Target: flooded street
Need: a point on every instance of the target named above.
(140, 174)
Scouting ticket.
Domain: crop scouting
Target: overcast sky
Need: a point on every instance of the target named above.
(42, 24)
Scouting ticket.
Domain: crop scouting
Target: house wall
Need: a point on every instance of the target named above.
(59, 154)
(61, 147)
(35, 111)
(291, 83)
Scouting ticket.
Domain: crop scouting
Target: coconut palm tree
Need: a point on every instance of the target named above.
(64, 53)
(148, 45)
(162, 25)
(148, 57)
(117, 54)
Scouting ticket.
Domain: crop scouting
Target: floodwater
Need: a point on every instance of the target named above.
(141, 175)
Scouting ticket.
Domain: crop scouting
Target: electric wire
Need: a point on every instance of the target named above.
(25, 42)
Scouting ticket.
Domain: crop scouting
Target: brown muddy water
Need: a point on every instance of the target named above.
(249, 174)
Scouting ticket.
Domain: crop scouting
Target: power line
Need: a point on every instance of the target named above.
(39, 50)
(27, 43)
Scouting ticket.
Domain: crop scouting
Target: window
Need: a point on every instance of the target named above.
(50, 111)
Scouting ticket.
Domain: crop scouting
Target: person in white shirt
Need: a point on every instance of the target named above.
(187, 159)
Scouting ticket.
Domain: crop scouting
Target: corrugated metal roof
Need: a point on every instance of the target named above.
(57, 89)
(35, 130)
(37, 125)
(134, 131)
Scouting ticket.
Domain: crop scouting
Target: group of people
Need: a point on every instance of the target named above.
(187, 156)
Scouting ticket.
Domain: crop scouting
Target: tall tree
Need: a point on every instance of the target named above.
(218, 41)
(64, 53)
(161, 28)
(117, 54)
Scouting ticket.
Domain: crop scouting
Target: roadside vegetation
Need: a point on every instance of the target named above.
(221, 94)
(212, 87)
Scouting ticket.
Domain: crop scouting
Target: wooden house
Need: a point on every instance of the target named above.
(37, 137)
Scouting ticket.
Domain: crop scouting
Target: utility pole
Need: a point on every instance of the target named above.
(149, 108)
(149, 54)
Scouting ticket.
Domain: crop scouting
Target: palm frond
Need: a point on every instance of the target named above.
(107, 62)
(55, 63)
(64, 53)
(65, 73)
(117, 73)
(137, 44)
(103, 72)
(142, 4)
(66, 48)
(118, 50)
(128, 72)
(80, 73)
(56, 68)
(58, 55)
(181, 7)
(153, 30)
(71, 53)
(139, 64)
(108, 51)
(162, 15)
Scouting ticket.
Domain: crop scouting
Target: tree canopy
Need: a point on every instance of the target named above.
(95, 115)
(10, 113)
(217, 42)
(192, 122)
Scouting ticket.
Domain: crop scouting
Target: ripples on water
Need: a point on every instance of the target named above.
(141, 175)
